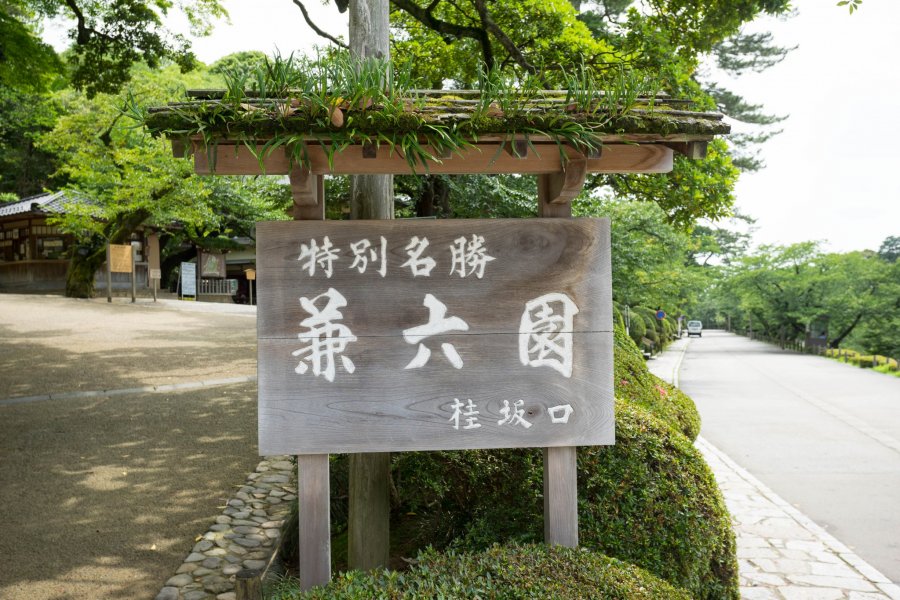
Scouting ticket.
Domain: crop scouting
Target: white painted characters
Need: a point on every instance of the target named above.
(469, 257)
(560, 413)
(513, 415)
(546, 333)
(465, 411)
(438, 323)
(325, 339)
(321, 256)
(364, 253)
(417, 264)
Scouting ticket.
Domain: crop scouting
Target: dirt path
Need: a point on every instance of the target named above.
(102, 497)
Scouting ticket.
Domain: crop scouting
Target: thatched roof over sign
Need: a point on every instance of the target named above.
(435, 131)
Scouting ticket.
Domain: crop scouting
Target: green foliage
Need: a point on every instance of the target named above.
(783, 290)
(649, 499)
(499, 573)
(27, 64)
(132, 179)
(25, 169)
(634, 383)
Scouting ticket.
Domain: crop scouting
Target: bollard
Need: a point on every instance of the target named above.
(248, 585)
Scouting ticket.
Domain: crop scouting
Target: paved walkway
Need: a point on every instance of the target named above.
(783, 554)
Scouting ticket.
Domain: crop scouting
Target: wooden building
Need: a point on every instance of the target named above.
(33, 253)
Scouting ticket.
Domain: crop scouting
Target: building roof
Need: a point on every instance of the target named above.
(46, 203)
(51, 202)
(424, 129)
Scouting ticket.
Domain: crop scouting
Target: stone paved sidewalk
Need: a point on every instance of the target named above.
(782, 553)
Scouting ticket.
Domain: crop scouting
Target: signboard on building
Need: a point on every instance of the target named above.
(188, 279)
(212, 265)
(120, 258)
(410, 335)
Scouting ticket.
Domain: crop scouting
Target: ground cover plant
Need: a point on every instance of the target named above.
(498, 573)
(649, 500)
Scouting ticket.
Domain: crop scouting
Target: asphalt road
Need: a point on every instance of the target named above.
(823, 435)
(102, 496)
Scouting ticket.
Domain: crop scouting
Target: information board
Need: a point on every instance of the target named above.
(120, 258)
(413, 335)
(189, 279)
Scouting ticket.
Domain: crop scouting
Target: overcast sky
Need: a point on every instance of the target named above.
(833, 175)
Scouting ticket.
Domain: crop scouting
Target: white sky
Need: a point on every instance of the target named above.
(833, 175)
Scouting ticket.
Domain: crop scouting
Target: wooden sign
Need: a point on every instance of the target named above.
(120, 258)
(156, 274)
(212, 265)
(251, 274)
(434, 335)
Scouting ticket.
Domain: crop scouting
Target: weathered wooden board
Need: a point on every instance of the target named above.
(483, 158)
(373, 388)
(120, 258)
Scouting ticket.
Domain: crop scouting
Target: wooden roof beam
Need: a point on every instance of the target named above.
(483, 159)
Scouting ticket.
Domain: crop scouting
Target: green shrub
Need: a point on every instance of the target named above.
(500, 573)
(634, 383)
(637, 329)
(649, 499)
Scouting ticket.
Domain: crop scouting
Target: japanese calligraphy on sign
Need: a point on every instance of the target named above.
(412, 335)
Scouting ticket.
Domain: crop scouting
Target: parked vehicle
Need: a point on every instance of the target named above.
(695, 328)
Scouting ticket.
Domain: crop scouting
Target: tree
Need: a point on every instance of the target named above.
(108, 37)
(132, 179)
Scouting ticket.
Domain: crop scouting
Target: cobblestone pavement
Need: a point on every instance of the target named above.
(783, 555)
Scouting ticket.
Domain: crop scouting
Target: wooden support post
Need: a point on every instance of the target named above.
(313, 485)
(133, 273)
(370, 509)
(248, 585)
(560, 464)
(562, 188)
(308, 191)
(108, 273)
(313, 491)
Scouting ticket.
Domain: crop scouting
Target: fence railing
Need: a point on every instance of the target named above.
(844, 355)
(218, 287)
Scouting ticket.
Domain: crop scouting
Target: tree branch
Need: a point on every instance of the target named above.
(426, 17)
(313, 26)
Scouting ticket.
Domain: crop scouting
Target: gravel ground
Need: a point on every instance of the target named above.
(102, 497)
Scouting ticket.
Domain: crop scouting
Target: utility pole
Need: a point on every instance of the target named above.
(371, 197)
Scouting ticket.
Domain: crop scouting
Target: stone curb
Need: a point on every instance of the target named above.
(758, 548)
(245, 536)
(151, 389)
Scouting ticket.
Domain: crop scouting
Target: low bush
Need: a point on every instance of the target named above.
(634, 383)
(499, 573)
(649, 500)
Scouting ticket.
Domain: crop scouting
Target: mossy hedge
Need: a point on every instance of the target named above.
(634, 383)
(649, 500)
(498, 573)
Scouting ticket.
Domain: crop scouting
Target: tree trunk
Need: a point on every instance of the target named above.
(847, 330)
(80, 274)
(371, 197)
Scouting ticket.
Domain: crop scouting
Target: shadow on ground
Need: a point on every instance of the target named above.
(102, 497)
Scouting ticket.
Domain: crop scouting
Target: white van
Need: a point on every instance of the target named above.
(695, 328)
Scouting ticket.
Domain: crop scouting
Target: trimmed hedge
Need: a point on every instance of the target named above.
(499, 573)
(649, 499)
(634, 383)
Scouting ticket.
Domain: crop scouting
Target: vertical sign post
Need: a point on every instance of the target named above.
(251, 278)
(108, 273)
(133, 273)
(119, 259)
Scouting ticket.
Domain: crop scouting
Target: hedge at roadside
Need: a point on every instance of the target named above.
(499, 573)
(634, 383)
(649, 500)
